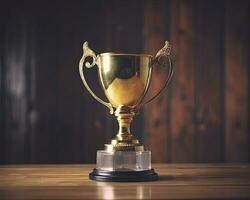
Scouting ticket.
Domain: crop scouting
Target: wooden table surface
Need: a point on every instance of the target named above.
(177, 181)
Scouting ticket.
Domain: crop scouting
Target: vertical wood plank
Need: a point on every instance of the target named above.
(209, 85)
(156, 25)
(31, 86)
(183, 38)
(16, 93)
(236, 81)
(2, 85)
(248, 85)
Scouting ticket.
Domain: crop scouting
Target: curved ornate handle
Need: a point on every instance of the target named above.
(87, 52)
(165, 52)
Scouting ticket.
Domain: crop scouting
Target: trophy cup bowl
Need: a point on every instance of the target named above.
(125, 79)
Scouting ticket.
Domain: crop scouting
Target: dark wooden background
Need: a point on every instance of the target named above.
(46, 116)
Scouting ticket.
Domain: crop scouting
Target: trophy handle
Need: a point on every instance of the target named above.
(87, 52)
(165, 52)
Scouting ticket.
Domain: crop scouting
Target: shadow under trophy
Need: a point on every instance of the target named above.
(125, 79)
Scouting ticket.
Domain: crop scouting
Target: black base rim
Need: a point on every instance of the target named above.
(123, 176)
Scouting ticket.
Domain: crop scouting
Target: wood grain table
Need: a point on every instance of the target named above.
(177, 181)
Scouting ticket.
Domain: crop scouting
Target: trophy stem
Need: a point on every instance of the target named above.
(124, 140)
(124, 119)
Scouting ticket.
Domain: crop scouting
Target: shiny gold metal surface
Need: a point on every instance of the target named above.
(125, 79)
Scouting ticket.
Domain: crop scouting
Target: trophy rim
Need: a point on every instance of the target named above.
(124, 54)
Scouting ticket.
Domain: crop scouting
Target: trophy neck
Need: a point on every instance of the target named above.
(124, 116)
(124, 140)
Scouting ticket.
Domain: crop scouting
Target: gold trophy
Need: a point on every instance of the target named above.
(125, 79)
